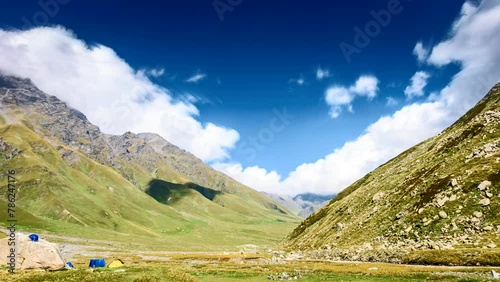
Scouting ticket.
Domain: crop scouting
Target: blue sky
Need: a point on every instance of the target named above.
(264, 57)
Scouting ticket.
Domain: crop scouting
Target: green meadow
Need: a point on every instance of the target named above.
(199, 267)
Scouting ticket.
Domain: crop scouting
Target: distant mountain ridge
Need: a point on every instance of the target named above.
(302, 205)
(310, 202)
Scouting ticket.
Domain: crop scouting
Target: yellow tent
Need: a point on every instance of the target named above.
(116, 263)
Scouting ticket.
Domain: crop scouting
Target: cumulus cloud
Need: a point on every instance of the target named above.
(253, 176)
(365, 86)
(421, 52)
(195, 78)
(473, 43)
(322, 73)
(114, 96)
(381, 141)
(417, 85)
(331, 174)
(338, 97)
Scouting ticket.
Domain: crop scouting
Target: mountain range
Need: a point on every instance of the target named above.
(302, 205)
(442, 195)
(74, 179)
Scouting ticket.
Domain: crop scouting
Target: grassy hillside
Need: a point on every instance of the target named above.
(70, 180)
(442, 194)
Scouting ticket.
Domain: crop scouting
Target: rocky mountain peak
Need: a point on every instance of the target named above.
(152, 154)
(16, 83)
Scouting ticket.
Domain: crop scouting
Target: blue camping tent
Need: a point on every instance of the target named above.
(34, 237)
(97, 263)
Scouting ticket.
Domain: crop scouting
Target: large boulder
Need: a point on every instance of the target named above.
(32, 255)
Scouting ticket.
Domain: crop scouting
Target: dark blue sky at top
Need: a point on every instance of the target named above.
(254, 53)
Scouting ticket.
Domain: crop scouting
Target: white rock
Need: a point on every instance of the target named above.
(453, 182)
(378, 196)
(442, 214)
(484, 185)
(474, 220)
(484, 202)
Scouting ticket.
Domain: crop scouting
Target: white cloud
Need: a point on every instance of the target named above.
(473, 43)
(196, 78)
(114, 96)
(381, 141)
(366, 86)
(421, 52)
(154, 72)
(338, 97)
(331, 174)
(322, 73)
(299, 81)
(391, 101)
(417, 85)
(254, 176)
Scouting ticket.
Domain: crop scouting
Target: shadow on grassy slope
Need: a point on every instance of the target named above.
(169, 193)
